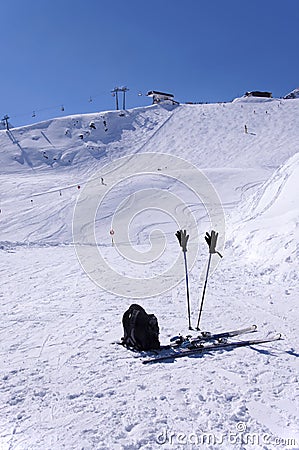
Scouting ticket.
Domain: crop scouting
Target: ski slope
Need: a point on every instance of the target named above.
(64, 184)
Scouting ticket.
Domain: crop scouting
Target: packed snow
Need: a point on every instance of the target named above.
(66, 281)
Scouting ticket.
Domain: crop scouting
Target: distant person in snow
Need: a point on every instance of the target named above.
(246, 129)
(105, 125)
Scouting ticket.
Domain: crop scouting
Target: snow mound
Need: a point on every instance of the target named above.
(254, 99)
(77, 142)
(293, 94)
(266, 226)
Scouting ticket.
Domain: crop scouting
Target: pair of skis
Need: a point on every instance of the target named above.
(204, 336)
(207, 342)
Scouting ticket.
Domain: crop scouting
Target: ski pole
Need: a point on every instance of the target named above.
(211, 240)
(183, 237)
(187, 291)
(203, 292)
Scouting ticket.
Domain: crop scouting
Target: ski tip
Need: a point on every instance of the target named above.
(176, 338)
(276, 337)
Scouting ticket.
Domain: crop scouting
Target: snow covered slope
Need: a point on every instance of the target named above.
(268, 223)
(293, 94)
(63, 384)
(42, 165)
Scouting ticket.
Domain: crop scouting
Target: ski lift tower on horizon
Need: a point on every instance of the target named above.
(115, 92)
(5, 121)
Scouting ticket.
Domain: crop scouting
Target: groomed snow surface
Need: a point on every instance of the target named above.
(65, 383)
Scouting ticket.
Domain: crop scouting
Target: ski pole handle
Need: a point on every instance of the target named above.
(182, 237)
(211, 240)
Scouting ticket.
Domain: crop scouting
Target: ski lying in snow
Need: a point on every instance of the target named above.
(201, 348)
(180, 341)
(203, 336)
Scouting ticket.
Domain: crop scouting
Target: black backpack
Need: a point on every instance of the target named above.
(141, 330)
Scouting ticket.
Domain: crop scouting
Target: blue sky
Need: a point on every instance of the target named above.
(62, 52)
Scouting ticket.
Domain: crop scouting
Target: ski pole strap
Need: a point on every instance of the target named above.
(182, 237)
(211, 240)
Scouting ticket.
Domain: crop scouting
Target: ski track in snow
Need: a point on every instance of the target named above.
(64, 382)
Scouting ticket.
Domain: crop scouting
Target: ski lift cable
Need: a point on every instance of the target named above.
(49, 108)
(92, 97)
